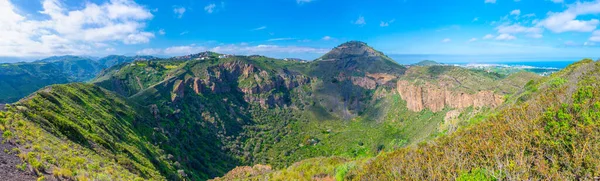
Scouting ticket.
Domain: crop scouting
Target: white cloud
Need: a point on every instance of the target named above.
(515, 12)
(70, 30)
(162, 32)
(259, 28)
(179, 11)
(281, 39)
(505, 36)
(490, 1)
(567, 20)
(360, 21)
(595, 36)
(488, 36)
(239, 49)
(446, 40)
(516, 28)
(386, 23)
(473, 40)
(589, 44)
(210, 8)
(247, 50)
(557, 1)
(149, 51)
(327, 38)
(534, 32)
(137, 38)
(184, 32)
(110, 49)
(303, 1)
(184, 50)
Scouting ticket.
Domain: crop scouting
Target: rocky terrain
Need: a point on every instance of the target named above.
(11, 166)
(199, 116)
(435, 98)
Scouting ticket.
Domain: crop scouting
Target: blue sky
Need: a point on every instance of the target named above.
(299, 28)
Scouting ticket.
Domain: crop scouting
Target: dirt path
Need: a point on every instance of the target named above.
(8, 163)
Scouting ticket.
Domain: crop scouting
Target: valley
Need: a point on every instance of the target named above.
(198, 117)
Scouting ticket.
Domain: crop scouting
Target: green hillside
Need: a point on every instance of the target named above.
(199, 116)
(18, 80)
(545, 132)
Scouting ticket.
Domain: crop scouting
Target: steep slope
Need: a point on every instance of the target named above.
(21, 79)
(350, 74)
(544, 132)
(18, 80)
(61, 128)
(437, 87)
(262, 110)
(196, 117)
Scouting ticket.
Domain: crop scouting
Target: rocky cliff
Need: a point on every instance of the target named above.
(434, 98)
(253, 82)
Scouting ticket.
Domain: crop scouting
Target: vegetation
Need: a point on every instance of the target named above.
(550, 136)
(197, 117)
(21, 79)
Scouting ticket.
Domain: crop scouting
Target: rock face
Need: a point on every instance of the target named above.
(249, 80)
(419, 97)
(177, 91)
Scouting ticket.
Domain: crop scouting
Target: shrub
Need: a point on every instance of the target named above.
(475, 175)
(7, 135)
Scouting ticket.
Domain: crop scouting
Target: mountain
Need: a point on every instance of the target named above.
(426, 63)
(18, 80)
(199, 116)
(113, 60)
(543, 132)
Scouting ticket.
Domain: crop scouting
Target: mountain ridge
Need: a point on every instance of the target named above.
(198, 118)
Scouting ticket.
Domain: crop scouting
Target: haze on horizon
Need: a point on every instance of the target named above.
(562, 30)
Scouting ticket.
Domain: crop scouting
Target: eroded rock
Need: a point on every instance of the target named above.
(434, 98)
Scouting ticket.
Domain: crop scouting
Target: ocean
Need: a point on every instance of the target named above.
(545, 62)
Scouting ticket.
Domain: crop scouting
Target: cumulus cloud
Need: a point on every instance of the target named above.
(71, 31)
(179, 11)
(327, 38)
(473, 40)
(143, 37)
(490, 1)
(488, 36)
(515, 12)
(505, 36)
(534, 32)
(567, 20)
(446, 40)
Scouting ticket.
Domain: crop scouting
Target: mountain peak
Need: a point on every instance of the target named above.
(352, 49)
